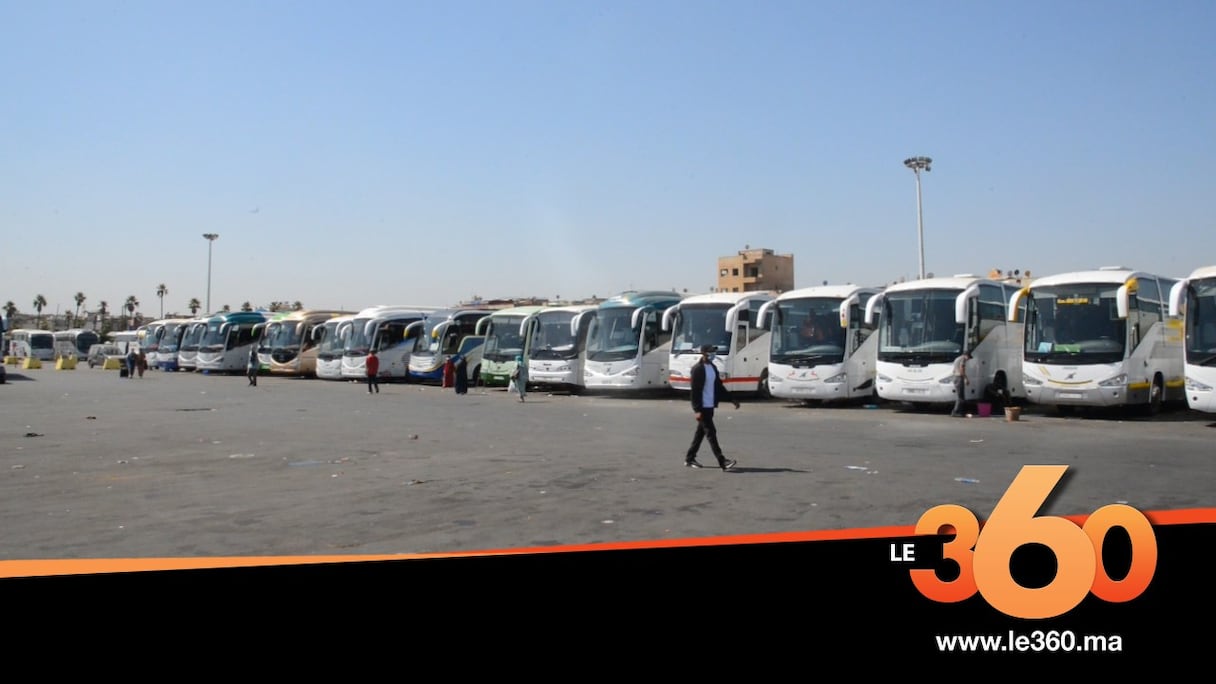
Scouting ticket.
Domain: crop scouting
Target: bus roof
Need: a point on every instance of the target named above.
(958, 282)
(1203, 272)
(642, 298)
(308, 314)
(382, 309)
(730, 298)
(239, 317)
(566, 308)
(515, 311)
(1114, 276)
(827, 292)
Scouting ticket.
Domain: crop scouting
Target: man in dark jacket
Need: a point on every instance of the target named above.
(707, 391)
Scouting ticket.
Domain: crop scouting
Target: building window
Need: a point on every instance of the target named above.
(734, 271)
(722, 273)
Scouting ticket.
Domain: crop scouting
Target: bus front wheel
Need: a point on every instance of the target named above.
(1156, 395)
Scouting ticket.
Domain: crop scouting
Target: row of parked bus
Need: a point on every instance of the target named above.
(1107, 337)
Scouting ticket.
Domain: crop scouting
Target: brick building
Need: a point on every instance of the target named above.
(755, 269)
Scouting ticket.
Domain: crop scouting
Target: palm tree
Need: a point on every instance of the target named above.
(194, 305)
(10, 310)
(79, 303)
(132, 302)
(102, 309)
(298, 306)
(39, 305)
(161, 291)
(246, 307)
(226, 308)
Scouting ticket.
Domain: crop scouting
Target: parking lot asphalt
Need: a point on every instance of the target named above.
(192, 465)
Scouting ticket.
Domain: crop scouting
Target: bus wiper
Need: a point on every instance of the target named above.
(1208, 361)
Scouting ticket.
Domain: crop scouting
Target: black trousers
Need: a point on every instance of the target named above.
(706, 430)
(373, 383)
(960, 397)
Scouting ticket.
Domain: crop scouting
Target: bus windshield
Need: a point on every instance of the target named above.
(919, 327)
(611, 338)
(171, 338)
(283, 335)
(553, 339)
(359, 338)
(808, 332)
(1074, 324)
(701, 325)
(214, 336)
(1201, 322)
(332, 343)
(503, 340)
(193, 337)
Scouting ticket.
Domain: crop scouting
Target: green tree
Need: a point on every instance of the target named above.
(79, 303)
(161, 291)
(10, 310)
(130, 305)
(39, 305)
(226, 308)
(298, 306)
(246, 307)
(102, 310)
(194, 305)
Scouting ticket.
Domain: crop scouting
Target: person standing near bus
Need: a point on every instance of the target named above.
(519, 377)
(462, 374)
(373, 372)
(707, 392)
(960, 383)
(251, 368)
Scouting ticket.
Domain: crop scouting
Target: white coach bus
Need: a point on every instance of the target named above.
(330, 341)
(392, 332)
(924, 325)
(1194, 298)
(1101, 338)
(727, 320)
(627, 349)
(822, 349)
(559, 346)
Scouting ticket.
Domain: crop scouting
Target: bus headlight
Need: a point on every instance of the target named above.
(586, 374)
(631, 373)
(1034, 382)
(883, 378)
(948, 380)
(835, 379)
(1117, 381)
(1193, 385)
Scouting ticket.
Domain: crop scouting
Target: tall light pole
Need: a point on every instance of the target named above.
(918, 164)
(210, 240)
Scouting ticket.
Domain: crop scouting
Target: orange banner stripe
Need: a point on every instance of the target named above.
(87, 566)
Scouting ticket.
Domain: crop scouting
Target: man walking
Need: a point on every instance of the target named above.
(373, 372)
(707, 391)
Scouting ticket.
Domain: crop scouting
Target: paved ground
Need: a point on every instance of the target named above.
(94, 466)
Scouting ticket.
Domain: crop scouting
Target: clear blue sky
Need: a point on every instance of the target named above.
(366, 152)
